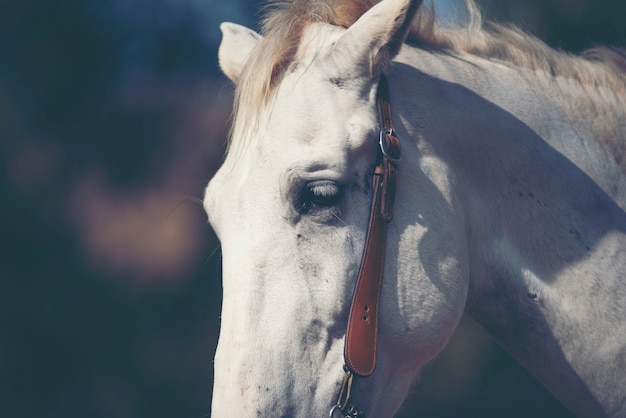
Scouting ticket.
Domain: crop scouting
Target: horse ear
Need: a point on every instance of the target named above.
(237, 45)
(377, 36)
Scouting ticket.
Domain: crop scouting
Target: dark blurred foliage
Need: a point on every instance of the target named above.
(113, 116)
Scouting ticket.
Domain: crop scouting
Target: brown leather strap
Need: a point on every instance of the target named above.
(362, 332)
(383, 102)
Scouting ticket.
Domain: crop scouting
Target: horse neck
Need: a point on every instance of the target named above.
(545, 221)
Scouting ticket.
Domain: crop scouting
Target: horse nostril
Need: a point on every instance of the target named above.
(366, 308)
(365, 317)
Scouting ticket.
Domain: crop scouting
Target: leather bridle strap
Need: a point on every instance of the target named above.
(362, 331)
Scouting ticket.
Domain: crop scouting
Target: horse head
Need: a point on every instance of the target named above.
(291, 205)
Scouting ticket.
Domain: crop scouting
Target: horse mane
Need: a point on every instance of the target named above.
(600, 66)
(285, 21)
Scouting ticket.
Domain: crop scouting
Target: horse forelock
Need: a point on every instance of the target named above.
(282, 29)
(285, 21)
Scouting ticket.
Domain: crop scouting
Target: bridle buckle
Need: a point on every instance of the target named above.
(390, 147)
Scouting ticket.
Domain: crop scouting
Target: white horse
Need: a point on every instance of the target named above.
(510, 206)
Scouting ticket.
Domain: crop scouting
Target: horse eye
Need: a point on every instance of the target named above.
(320, 194)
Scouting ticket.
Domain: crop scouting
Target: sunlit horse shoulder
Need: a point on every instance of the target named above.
(510, 206)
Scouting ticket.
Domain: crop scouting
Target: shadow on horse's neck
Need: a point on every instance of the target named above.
(519, 192)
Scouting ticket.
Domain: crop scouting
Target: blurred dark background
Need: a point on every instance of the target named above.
(113, 117)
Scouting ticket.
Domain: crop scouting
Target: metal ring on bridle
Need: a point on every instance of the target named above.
(395, 159)
(351, 413)
(333, 410)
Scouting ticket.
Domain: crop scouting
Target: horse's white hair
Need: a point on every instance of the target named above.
(285, 21)
(512, 207)
(600, 68)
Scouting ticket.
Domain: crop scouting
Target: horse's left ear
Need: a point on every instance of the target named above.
(237, 45)
(377, 36)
